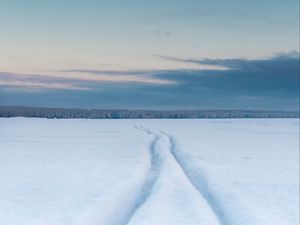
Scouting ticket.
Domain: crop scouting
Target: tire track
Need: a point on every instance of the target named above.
(132, 195)
(151, 176)
(201, 185)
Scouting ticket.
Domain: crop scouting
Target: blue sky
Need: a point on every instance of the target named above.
(150, 54)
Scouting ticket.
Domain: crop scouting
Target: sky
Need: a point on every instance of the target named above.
(154, 54)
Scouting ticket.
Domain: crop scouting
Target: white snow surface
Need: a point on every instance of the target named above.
(149, 172)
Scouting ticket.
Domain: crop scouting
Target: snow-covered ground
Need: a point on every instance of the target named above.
(149, 172)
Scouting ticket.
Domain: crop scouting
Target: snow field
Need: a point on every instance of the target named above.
(144, 172)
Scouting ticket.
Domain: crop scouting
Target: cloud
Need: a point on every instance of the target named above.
(201, 13)
(31, 82)
(256, 76)
(270, 83)
(162, 33)
(112, 72)
(235, 63)
(37, 82)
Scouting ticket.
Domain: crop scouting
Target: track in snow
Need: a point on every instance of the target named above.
(200, 185)
(157, 159)
(167, 168)
(125, 200)
(151, 176)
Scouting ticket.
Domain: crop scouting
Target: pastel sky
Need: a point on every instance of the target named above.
(158, 54)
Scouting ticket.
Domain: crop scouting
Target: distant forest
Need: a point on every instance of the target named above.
(62, 113)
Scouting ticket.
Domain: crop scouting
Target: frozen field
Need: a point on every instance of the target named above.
(149, 172)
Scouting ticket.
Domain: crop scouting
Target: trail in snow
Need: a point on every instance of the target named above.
(123, 200)
(200, 185)
(165, 178)
(151, 176)
(163, 190)
(173, 198)
(200, 181)
(107, 172)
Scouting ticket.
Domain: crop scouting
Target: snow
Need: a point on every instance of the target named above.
(142, 172)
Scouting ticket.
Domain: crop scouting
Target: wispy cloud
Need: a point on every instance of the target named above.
(43, 81)
(36, 82)
(235, 63)
(111, 72)
(201, 13)
(37, 86)
(160, 32)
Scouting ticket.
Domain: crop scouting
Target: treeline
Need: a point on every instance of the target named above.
(61, 113)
